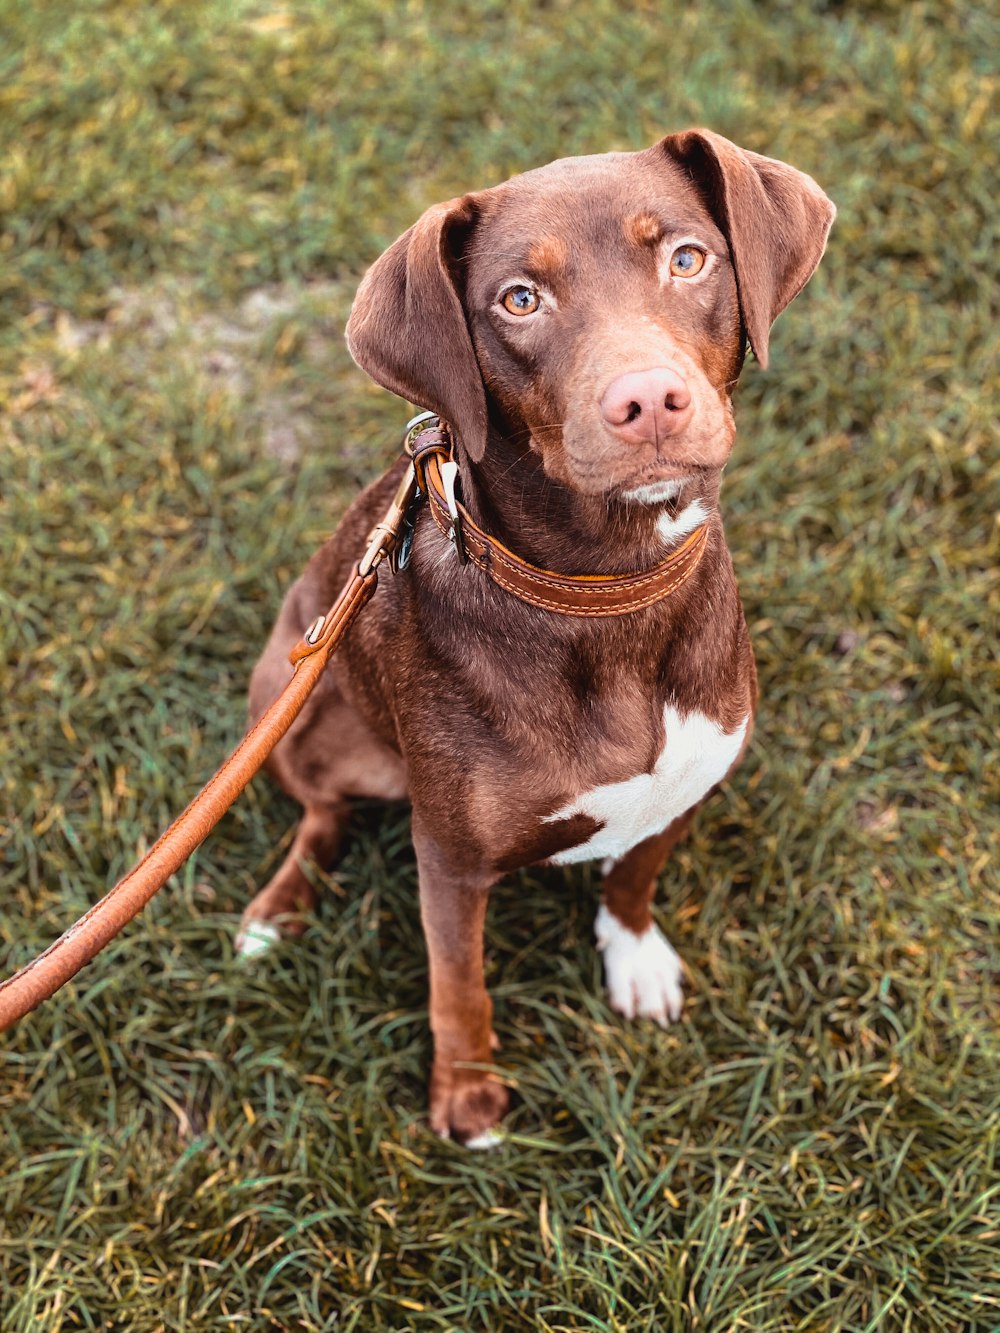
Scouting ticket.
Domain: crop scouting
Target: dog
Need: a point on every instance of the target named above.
(577, 686)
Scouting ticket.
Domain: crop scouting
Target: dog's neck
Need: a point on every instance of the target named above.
(509, 495)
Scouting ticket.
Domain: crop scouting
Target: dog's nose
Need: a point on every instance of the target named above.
(647, 406)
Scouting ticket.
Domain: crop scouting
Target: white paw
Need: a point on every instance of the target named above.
(256, 938)
(484, 1142)
(489, 1138)
(643, 973)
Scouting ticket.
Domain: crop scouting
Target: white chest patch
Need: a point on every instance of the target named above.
(696, 755)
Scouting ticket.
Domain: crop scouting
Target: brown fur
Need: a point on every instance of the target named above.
(643, 229)
(488, 713)
(548, 256)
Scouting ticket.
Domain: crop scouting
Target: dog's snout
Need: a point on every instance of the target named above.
(647, 406)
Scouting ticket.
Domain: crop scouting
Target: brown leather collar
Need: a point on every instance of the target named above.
(567, 594)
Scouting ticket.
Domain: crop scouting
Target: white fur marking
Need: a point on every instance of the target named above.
(686, 521)
(696, 755)
(656, 492)
(483, 1142)
(643, 973)
(256, 938)
(489, 1138)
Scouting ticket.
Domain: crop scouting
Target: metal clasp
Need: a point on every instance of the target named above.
(385, 535)
(399, 556)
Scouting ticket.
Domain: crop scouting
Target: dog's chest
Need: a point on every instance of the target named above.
(696, 754)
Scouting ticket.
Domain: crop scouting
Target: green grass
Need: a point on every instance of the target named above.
(189, 193)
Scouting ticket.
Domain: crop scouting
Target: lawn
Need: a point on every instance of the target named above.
(189, 193)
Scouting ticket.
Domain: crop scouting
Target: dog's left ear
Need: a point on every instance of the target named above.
(407, 327)
(776, 220)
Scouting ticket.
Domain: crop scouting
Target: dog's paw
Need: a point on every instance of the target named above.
(644, 975)
(468, 1111)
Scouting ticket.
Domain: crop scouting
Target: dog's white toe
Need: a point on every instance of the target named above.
(489, 1138)
(256, 938)
(643, 973)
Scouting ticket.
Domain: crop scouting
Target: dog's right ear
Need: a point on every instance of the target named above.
(775, 218)
(407, 328)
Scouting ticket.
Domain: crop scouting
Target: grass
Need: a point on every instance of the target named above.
(189, 195)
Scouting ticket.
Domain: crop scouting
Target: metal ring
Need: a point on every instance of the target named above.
(416, 421)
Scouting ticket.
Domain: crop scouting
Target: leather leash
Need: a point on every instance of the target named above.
(61, 961)
(432, 474)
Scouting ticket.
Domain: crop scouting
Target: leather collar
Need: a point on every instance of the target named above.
(566, 594)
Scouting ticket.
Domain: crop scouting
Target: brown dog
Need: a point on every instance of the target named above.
(580, 327)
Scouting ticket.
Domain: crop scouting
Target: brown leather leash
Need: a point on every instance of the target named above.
(61, 961)
(431, 474)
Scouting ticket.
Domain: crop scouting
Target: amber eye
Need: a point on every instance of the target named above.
(521, 300)
(686, 261)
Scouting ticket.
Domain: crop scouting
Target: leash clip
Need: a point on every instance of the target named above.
(385, 539)
(399, 556)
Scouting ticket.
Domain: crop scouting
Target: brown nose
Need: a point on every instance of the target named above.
(646, 406)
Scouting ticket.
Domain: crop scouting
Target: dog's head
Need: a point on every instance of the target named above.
(597, 308)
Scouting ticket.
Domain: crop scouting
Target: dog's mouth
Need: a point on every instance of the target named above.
(650, 480)
(659, 483)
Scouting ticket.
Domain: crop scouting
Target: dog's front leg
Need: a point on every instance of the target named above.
(466, 1104)
(643, 973)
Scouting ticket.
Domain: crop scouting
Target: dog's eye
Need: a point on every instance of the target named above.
(521, 300)
(686, 261)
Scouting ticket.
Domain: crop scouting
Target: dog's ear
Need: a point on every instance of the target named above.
(407, 328)
(776, 220)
